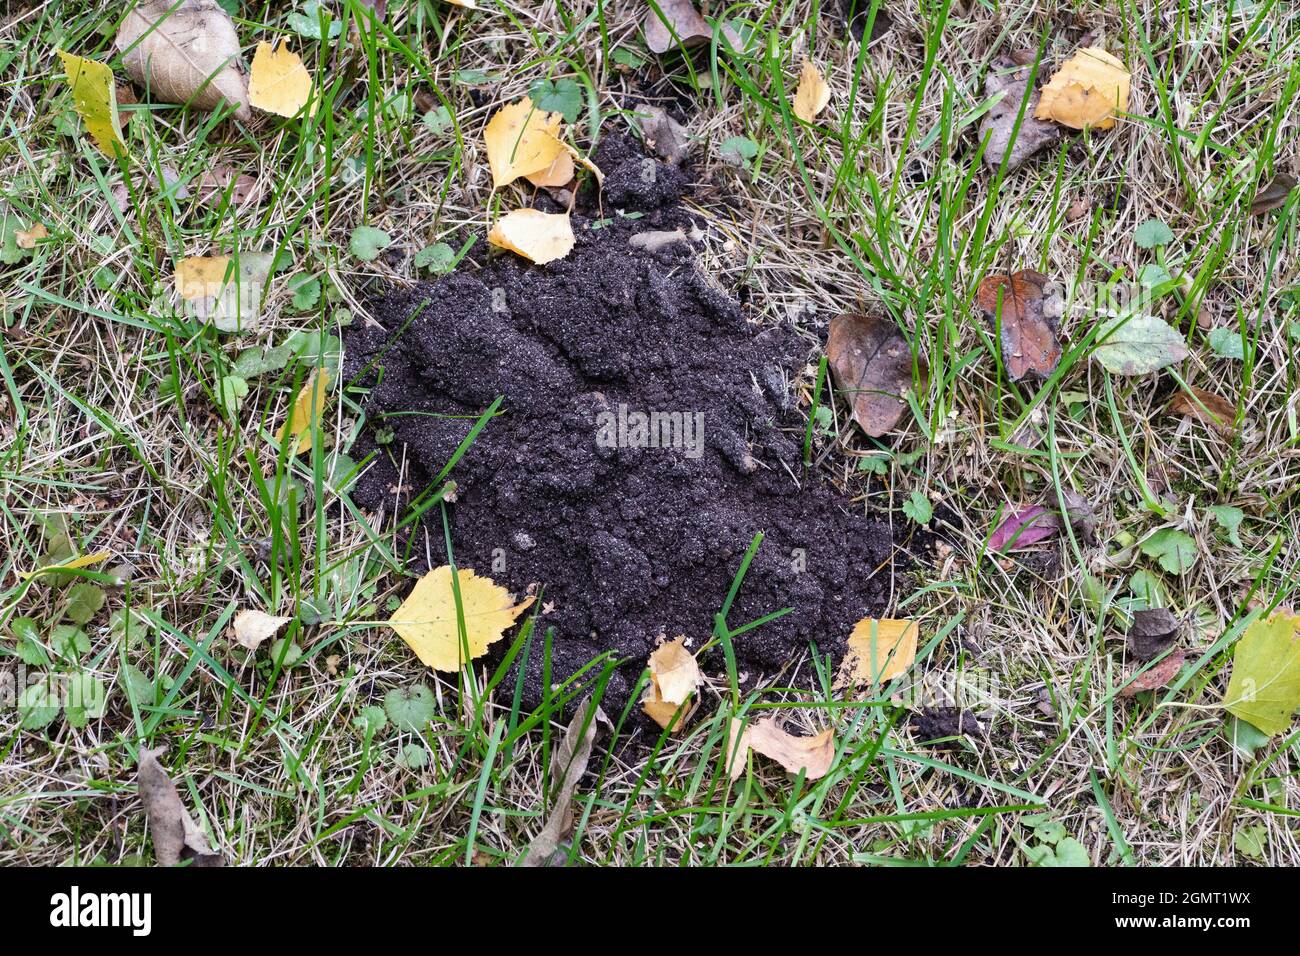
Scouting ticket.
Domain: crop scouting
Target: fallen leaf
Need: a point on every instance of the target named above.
(535, 235)
(521, 139)
(879, 649)
(279, 83)
(94, 97)
(1153, 631)
(663, 135)
(215, 291)
(253, 627)
(653, 241)
(427, 618)
(1087, 91)
(1138, 344)
(1273, 196)
(222, 179)
(813, 755)
(812, 95)
(1009, 81)
(1024, 527)
(559, 173)
(1028, 321)
(676, 21)
(176, 836)
(674, 676)
(1156, 676)
(568, 764)
(28, 238)
(872, 363)
(1264, 689)
(304, 417)
(185, 52)
(1206, 407)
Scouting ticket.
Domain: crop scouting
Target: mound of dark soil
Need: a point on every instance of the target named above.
(628, 542)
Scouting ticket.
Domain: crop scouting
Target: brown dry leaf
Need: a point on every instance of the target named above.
(176, 836)
(521, 139)
(213, 184)
(252, 628)
(1157, 676)
(27, 238)
(279, 82)
(535, 235)
(1206, 407)
(304, 417)
(1010, 80)
(568, 764)
(878, 651)
(1087, 91)
(674, 677)
(685, 21)
(813, 755)
(1273, 196)
(185, 52)
(663, 135)
(1029, 340)
(812, 95)
(428, 623)
(873, 364)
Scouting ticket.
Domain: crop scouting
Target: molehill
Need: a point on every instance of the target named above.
(564, 494)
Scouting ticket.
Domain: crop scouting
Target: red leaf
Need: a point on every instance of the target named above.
(1029, 341)
(1157, 676)
(1025, 527)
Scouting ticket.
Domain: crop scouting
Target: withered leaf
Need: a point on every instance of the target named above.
(1206, 407)
(1157, 676)
(176, 836)
(1153, 631)
(664, 136)
(1006, 78)
(813, 755)
(568, 764)
(872, 363)
(1029, 332)
(690, 28)
(212, 186)
(1273, 196)
(1024, 527)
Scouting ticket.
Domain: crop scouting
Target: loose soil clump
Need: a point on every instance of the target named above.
(628, 537)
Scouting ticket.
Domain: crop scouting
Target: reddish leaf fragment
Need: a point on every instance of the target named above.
(1206, 407)
(872, 364)
(1025, 527)
(1156, 676)
(1028, 321)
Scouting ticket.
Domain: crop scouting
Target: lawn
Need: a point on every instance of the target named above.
(1089, 457)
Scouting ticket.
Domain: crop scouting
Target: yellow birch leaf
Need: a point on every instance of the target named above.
(467, 4)
(813, 755)
(812, 95)
(674, 676)
(521, 139)
(878, 651)
(427, 622)
(557, 174)
(229, 298)
(1088, 90)
(27, 238)
(73, 564)
(252, 628)
(95, 97)
(1264, 689)
(306, 413)
(279, 83)
(539, 236)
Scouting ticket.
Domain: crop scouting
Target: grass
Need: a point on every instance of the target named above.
(116, 436)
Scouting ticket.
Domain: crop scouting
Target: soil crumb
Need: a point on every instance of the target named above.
(647, 432)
